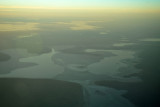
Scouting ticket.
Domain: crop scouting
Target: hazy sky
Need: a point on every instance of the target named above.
(83, 3)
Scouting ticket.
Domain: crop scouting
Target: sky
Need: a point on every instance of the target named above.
(83, 3)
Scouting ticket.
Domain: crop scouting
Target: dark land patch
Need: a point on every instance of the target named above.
(16, 92)
(4, 57)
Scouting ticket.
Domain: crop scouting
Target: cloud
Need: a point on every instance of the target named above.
(18, 26)
(80, 25)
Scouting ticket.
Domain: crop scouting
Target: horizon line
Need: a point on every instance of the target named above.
(71, 7)
(89, 9)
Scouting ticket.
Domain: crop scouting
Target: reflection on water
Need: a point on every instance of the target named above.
(106, 56)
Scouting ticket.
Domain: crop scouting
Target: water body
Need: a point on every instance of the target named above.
(114, 57)
(75, 68)
(45, 67)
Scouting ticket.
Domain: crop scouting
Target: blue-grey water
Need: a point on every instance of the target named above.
(113, 60)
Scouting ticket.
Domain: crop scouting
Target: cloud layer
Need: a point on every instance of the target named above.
(18, 26)
(80, 25)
